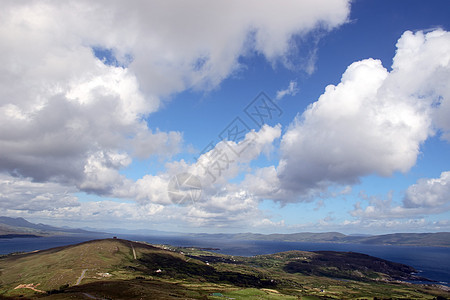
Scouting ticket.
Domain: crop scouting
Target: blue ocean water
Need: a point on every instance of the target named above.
(431, 262)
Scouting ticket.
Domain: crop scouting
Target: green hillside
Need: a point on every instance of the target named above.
(121, 269)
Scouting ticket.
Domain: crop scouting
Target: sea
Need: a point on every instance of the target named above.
(430, 262)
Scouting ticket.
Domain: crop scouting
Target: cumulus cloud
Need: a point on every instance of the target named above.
(213, 169)
(351, 131)
(373, 122)
(52, 121)
(427, 56)
(228, 208)
(222, 204)
(147, 143)
(429, 192)
(105, 213)
(101, 174)
(201, 51)
(21, 194)
(227, 158)
(426, 196)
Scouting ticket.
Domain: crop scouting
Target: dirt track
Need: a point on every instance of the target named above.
(81, 277)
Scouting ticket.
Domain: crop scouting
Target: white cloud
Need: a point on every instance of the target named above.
(213, 169)
(222, 204)
(101, 174)
(264, 183)
(291, 90)
(432, 192)
(106, 213)
(269, 224)
(51, 124)
(319, 205)
(147, 143)
(427, 56)
(427, 196)
(353, 131)
(21, 194)
(228, 158)
(373, 122)
(149, 189)
(346, 190)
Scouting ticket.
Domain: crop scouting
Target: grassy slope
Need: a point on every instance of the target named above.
(185, 273)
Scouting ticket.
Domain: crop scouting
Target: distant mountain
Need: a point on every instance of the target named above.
(297, 237)
(19, 227)
(439, 239)
(18, 222)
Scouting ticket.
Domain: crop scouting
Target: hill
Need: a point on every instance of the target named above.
(122, 269)
(439, 239)
(19, 227)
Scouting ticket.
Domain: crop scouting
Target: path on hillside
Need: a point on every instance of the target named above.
(81, 277)
(30, 286)
(134, 252)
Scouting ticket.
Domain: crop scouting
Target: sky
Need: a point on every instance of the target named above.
(227, 116)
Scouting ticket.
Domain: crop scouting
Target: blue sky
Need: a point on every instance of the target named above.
(102, 114)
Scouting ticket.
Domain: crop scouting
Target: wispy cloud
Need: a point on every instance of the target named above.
(291, 90)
